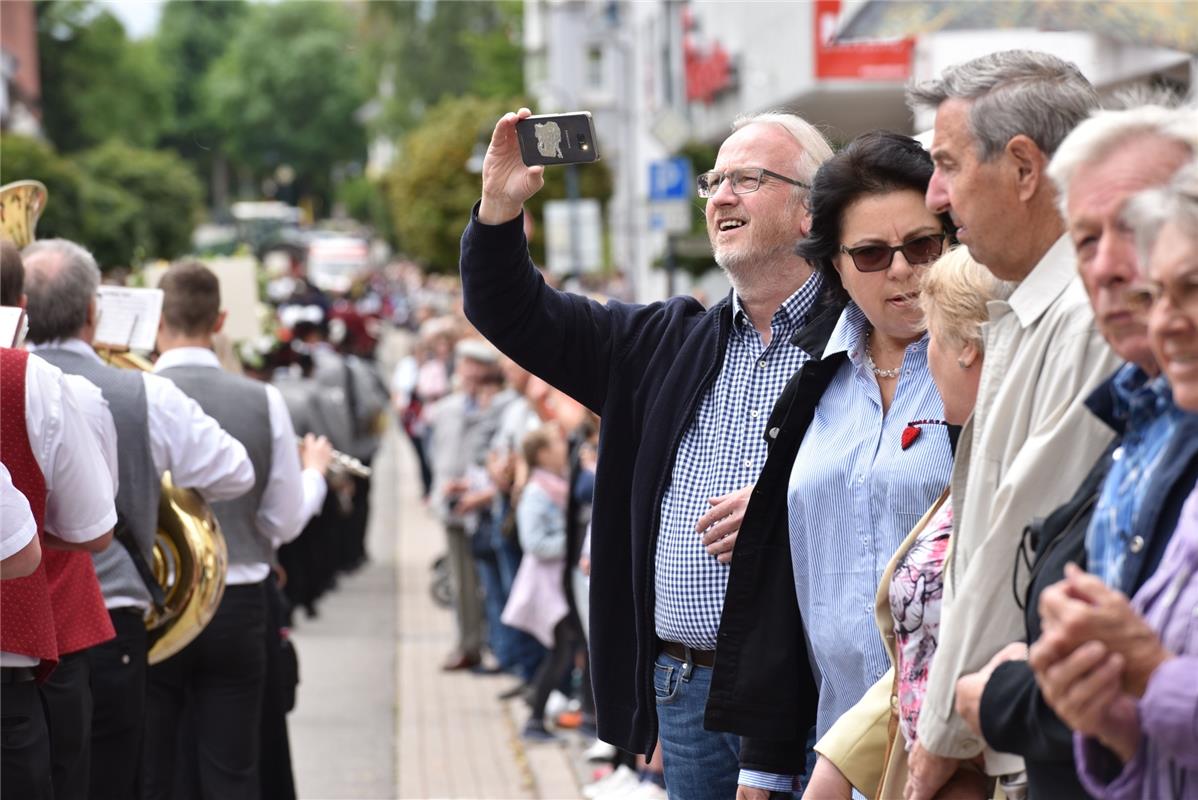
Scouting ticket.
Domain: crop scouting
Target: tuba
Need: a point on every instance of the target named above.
(190, 557)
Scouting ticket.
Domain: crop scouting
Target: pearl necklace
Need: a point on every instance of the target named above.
(869, 362)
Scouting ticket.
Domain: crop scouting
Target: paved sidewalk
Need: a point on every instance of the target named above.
(375, 716)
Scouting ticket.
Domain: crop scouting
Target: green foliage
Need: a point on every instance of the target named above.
(191, 36)
(365, 200)
(96, 84)
(123, 203)
(286, 90)
(167, 191)
(433, 51)
(429, 189)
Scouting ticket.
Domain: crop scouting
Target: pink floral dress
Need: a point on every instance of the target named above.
(916, 593)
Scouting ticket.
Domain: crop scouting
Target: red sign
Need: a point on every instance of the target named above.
(707, 74)
(863, 61)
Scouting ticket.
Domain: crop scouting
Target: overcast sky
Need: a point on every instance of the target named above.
(140, 17)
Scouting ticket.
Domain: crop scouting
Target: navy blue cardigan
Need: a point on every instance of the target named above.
(643, 369)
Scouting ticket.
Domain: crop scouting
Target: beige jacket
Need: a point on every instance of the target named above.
(865, 743)
(1030, 442)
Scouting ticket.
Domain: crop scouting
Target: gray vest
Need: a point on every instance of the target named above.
(140, 484)
(239, 405)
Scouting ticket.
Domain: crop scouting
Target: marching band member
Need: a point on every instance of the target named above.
(216, 683)
(159, 429)
(49, 452)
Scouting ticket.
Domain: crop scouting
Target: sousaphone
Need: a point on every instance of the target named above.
(190, 556)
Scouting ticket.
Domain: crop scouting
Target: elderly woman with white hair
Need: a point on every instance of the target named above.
(1119, 672)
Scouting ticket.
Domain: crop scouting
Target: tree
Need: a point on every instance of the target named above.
(96, 84)
(168, 193)
(431, 192)
(287, 90)
(428, 52)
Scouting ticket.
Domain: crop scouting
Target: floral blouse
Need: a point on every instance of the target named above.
(916, 592)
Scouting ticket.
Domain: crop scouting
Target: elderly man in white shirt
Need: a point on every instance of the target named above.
(1031, 440)
(160, 429)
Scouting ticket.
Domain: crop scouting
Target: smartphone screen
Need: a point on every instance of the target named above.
(558, 139)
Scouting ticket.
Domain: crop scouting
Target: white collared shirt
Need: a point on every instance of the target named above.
(1027, 447)
(17, 525)
(284, 508)
(185, 441)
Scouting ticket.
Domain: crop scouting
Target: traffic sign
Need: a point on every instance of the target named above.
(670, 179)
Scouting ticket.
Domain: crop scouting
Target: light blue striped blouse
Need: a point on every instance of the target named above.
(854, 495)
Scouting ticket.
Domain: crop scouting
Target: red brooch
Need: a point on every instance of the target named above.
(912, 431)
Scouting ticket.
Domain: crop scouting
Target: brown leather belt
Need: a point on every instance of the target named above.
(700, 658)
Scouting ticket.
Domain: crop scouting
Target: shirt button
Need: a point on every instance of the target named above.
(754, 413)
(1137, 544)
(1117, 455)
(761, 364)
(748, 462)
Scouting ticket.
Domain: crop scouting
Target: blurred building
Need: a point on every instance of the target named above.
(659, 73)
(20, 89)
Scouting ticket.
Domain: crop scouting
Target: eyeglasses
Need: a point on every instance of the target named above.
(1183, 295)
(743, 180)
(877, 257)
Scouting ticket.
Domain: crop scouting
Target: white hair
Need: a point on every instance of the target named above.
(1105, 132)
(1149, 211)
(815, 147)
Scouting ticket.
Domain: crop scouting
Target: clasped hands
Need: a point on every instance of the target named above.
(1094, 659)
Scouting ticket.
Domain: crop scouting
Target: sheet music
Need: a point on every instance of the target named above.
(128, 317)
(12, 325)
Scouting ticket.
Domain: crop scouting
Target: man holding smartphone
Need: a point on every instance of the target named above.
(684, 393)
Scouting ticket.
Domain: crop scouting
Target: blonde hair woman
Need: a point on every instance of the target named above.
(869, 746)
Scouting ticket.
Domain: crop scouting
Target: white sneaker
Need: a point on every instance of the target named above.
(556, 704)
(600, 751)
(622, 775)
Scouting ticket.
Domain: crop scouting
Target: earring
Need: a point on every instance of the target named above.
(961, 363)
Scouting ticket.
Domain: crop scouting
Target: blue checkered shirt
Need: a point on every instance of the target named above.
(723, 450)
(1151, 417)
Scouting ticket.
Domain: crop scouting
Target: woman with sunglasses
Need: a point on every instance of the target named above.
(860, 450)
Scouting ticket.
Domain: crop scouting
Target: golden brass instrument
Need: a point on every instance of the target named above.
(21, 203)
(190, 561)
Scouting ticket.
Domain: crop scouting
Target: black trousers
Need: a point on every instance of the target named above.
(567, 638)
(67, 695)
(278, 697)
(24, 743)
(204, 711)
(118, 686)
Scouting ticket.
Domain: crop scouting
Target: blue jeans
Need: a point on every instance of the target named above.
(699, 764)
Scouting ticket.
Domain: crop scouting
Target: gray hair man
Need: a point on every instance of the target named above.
(1100, 166)
(1031, 440)
(684, 393)
(159, 429)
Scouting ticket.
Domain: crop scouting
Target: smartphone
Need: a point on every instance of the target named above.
(558, 139)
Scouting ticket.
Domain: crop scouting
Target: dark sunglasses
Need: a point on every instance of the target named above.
(877, 257)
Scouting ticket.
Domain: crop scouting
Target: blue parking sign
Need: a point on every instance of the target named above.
(670, 179)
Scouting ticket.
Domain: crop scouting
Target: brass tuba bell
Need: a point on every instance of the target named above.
(21, 203)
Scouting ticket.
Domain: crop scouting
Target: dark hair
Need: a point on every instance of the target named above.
(191, 298)
(12, 274)
(874, 163)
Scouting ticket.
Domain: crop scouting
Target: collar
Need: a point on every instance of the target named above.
(794, 311)
(187, 357)
(1040, 289)
(1128, 392)
(849, 335)
(73, 345)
